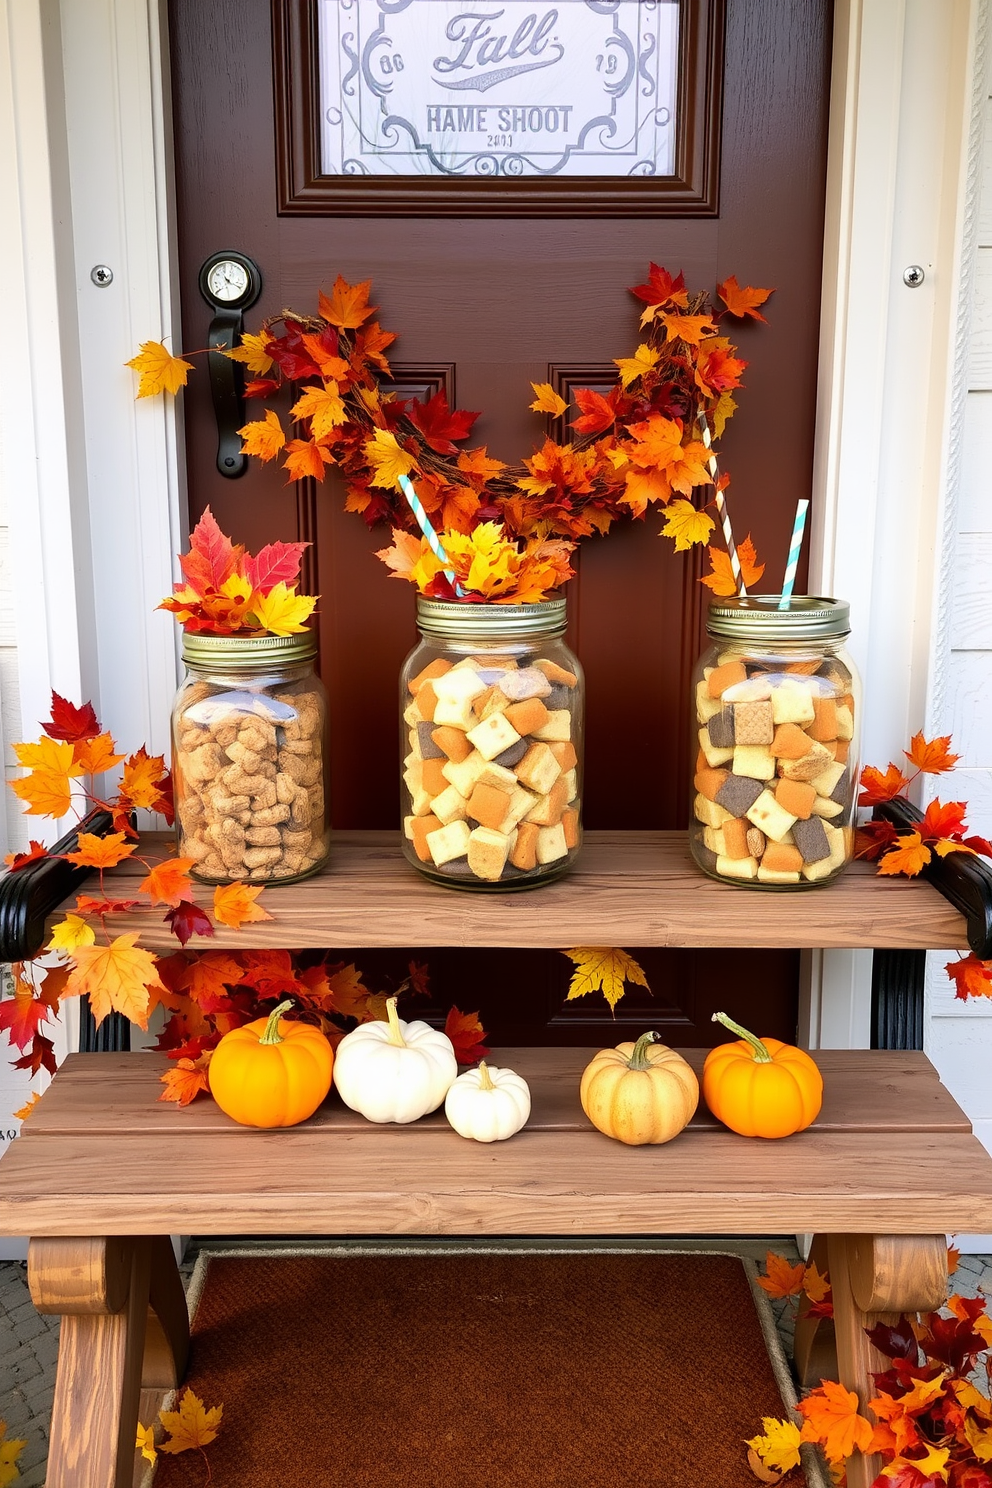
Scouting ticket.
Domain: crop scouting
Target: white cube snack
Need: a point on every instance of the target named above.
(754, 760)
(709, 812)
(493, 735)
(706, 706)
(463, 774)
(792, 702)
(461, 683)
(487, 853)
(715, 754)
(772, 818)
(551, 844)
(449, 806)
(558, 729)
(737, 867)
(448, 842)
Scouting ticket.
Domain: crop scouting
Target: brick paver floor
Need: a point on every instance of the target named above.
(29, 1345)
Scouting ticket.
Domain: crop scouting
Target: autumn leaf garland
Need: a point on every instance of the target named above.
(634, 448)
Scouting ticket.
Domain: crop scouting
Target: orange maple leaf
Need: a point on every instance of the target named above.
(690, 328)
(782, 1280)
(305, 457)
(117, 978)
(24, 1111)
(143, 778)
(832, 1419)
(815, 1285)
(333, 367)
(477, 462)
(403, 555)
(931, 755)
(234, 904)
(876, 787)
(908, 855)
(742, 301)
(466, 1034)
(721, 580)
(348, 306)
(185, 1081)
(971, 977)
(169, 881)
(191, 1425)
(101, 852)
(347, 993)
(95, 755)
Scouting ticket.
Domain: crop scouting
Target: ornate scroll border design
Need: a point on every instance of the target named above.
(693, 191)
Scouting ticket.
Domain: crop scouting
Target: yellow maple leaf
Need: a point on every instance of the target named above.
(22, 1115)
(10, 1450)
(145, 1442)
(686, 525)
(251, 353)
(70, 933)
(779, 1447)
(724, 410)
(96, 755)
(603, 969)
(263, 438)
(323, 407)
(141, 780)
(46, 788)
(933, 1462)
(979, 1439)
(721, 578)
(644, 358)
(118, 978)
(547, 400)
(388, 461)
(192, 1425)
(282, 611)
(234, 904)
(161, 372)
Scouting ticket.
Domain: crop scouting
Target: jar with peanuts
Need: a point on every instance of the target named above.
(491, 743)
(776, 710)
(249, 758)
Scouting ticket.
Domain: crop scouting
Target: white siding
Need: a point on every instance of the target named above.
(959, 1034)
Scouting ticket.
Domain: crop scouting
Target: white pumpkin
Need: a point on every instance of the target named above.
(488, 1104)
(394, 1071)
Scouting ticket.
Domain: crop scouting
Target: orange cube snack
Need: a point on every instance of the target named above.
(435, 669)
(427, 702)
(454, 743)
(527, 716)
(488, 805)
(782, 857)
(709, 782)
(735, 838)
(796, 797)
(419, 827)
(722, 677)
(824, 725)
(789, 742)
(524, 854)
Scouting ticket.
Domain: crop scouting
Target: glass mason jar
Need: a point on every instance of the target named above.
(491, 738)
(777, 705)
(249, 758)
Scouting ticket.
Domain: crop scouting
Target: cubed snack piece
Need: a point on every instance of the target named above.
(754, 760)
(737, 793)
(753, 723)
(528, 716)
(538, 769)
(770, 817)
(493, 735)
(448, 843)
(487, 853)
(714, 755)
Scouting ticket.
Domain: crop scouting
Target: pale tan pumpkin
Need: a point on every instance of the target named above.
(639, 1093)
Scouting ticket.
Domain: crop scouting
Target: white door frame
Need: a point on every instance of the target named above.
(88, 80)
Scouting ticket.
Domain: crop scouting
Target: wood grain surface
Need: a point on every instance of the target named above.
(142, 1168)
(628, 888)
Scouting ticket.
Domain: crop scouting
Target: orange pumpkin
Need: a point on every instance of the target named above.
(271, 1072)
(761, 1087)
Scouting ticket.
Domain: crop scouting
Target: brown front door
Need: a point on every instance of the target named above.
(485, 304)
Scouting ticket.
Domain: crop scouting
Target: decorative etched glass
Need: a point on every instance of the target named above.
(513, 88)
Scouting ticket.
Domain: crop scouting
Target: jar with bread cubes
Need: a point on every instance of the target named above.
(491, 744)
(776, 709)
(249, 758)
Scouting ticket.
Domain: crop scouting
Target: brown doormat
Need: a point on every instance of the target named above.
(493, 1370)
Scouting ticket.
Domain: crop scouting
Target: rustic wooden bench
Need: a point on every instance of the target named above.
(104, 1172)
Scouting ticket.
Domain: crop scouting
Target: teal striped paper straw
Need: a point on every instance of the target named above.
(798, 528)
(721, 506)
(417, 507)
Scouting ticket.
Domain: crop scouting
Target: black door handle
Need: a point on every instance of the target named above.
(229, 282)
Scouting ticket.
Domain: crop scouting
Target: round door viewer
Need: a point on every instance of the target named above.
(230, 280)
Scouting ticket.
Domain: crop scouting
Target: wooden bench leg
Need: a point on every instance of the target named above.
(874, 1279)
(103, 1289)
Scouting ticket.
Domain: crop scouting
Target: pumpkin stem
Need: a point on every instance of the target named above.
(395, 1033)
(485, 1079)
(760, 1050)
(639, 1057)
(272, 1034)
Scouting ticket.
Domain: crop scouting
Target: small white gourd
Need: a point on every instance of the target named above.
(394, 1071)
(488, 1104)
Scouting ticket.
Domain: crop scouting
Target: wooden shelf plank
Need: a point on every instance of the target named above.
(892, 1153)
(628, 888)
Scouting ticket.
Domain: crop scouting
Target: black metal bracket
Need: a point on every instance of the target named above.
(227, 386)
(962, 878)
(30, 894)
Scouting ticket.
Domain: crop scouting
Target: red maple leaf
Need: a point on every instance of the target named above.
(70, 723)
(598, 413)
(276, 563)
(440, 424)
(877, 787)
(42, 1056)
(290, 354)
(661, 287)
(971, 977)
(261, 387)
(187, 919)
(212, 557)
(873, 838)
(21, 1015)
(21, 860)
(466, 1034)
(979, 845)
(87, 904)
(943, 820)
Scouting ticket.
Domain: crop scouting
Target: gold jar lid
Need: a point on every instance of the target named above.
(203, 652)
(758, 619)
(490, 621)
